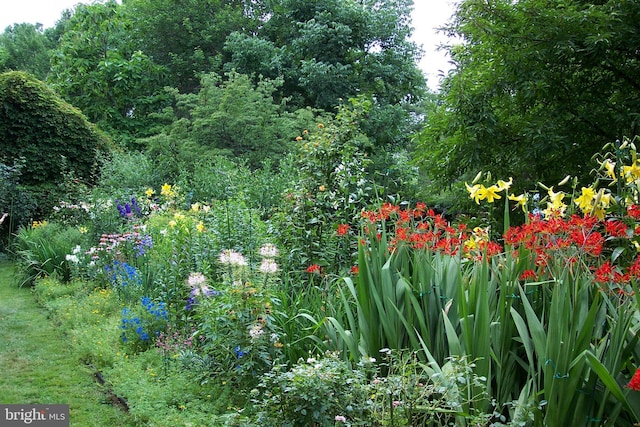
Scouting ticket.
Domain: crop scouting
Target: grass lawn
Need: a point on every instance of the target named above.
(38, 366)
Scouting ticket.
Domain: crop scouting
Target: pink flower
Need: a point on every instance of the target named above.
(341, 418)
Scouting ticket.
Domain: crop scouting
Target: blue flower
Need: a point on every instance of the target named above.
(239, 352)
(142, 245)
(134, 206)
(122, 274)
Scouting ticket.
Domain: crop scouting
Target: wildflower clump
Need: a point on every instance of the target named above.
(197, 282)
(142, 326)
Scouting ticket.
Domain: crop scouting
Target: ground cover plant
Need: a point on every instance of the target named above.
(187, 311)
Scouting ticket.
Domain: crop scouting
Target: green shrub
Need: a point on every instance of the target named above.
(52, 138)
(312, 392)
(126, 172)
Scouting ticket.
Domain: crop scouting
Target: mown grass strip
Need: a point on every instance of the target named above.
(38, 364)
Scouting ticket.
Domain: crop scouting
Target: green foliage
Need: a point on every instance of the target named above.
(312, 392)
(96, 68)
(25, 47)
(335, 50)
(397, 391)
(42, 250)
(330, 188)
(253, 55)
(188, 40)
(235, 326)
(51, 137)
(126, 172)
(232, 117)
(16, 201)
(538, 87)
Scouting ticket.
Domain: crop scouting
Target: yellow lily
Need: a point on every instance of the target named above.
(474, 192)
(555, 198)
(502, 185)
(610, 168)
(521, 200)
(631, 172)
(489, 193)
(585, 200)
(166, 190)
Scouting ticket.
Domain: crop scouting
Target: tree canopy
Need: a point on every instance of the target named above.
(25, 47)
(539, 86)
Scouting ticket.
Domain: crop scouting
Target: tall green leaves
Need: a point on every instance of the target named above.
(552, 351)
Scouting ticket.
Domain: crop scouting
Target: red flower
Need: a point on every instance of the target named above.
(355, 270)
(634, 211)
(634, 384)
(528, 274)
(604, 273)
(634, 269)
(313, 268)
(343, 229)
(616, 228)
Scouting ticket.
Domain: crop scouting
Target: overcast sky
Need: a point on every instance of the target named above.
(428, 15)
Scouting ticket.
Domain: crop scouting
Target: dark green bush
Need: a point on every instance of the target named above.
(15, 201)
(53, 138)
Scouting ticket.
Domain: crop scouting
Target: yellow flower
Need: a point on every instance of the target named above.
(481, 234)
(322, 188)
(298, 138)
(604, 199)
(83, 230)
(555, 198)
(602, 202)
(631, 172)
(167, 191)
(195, 207)
(504, 185)
(470, 244)
(200, 227)
(172, 223)
(473, 192)
(489, 193)
(585, 200)
(610, 168)
(555, 210)
(150, 192)
(521, 200)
